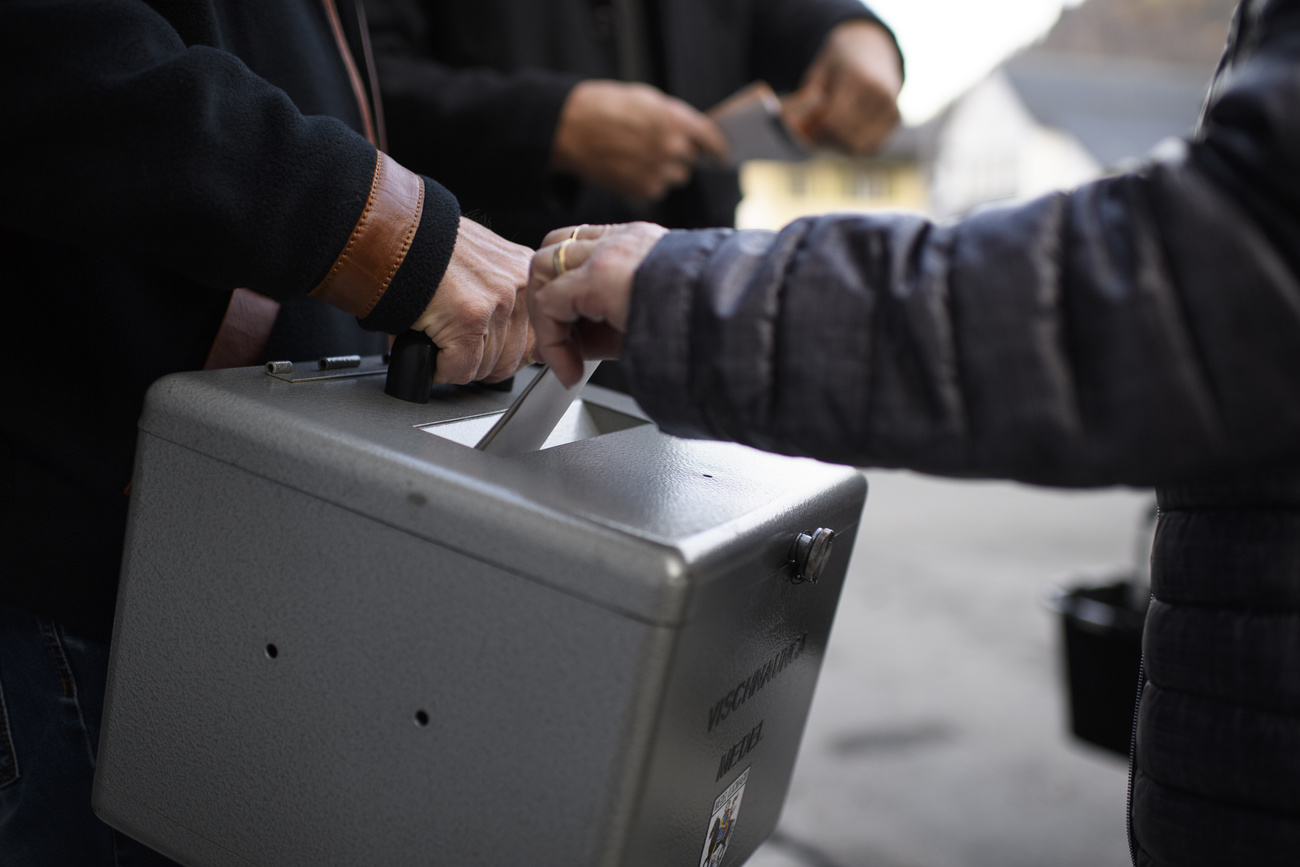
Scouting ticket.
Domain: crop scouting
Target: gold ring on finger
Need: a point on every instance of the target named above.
(576, 229)
(558, 257)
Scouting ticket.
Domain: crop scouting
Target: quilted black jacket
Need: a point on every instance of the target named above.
(1143, 329)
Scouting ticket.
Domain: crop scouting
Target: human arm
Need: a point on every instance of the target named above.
(632, 138)
(515, 130)
(1142, 329)
(580, 292)
(839, 63)
(485, 133)
(849, 97)
(140, 139)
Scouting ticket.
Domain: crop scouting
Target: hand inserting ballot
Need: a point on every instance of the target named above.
(580, 291)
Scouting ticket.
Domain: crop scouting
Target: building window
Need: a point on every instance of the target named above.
(798, 180)
(862, 183)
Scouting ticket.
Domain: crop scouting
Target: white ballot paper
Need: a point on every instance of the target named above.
(753, 123)
(530, 419)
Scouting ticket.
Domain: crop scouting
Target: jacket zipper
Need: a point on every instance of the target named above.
(1133, 738)
(1132, 764)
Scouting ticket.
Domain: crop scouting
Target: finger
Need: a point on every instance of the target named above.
(870, 135)
(565, 360)
(674, 174)
(538, 270)
(583, 296)
(804, 111)
(709, 138)
(585, 232)
(878, 133)
(504, 316)
(515, 353)
(552, 342)
(458, 361)
(488, 360)
(547, 260)
(859, 113)
(516, 344)
(693, 133)
(491, 342)
(571, 343)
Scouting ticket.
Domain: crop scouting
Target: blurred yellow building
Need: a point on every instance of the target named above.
(778, 192)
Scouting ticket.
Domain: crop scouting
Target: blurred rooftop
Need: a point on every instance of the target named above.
(1117, 108)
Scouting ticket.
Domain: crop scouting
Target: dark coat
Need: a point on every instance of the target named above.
(1217, 777)
(157, 156)
(472, 93)
(1143, 329)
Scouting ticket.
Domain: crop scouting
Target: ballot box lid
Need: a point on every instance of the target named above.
(635, 521)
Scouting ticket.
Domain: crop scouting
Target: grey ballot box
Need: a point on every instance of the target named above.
(344, 637)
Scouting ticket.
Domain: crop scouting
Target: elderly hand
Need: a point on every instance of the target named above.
(849, 96)
(632, 138)
(580, 290)
(477, 318)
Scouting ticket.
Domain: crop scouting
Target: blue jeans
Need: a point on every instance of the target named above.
(51, 700)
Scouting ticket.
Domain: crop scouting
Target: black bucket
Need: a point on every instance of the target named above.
(1102, 638)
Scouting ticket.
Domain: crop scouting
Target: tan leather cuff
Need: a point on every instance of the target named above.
(379, 241)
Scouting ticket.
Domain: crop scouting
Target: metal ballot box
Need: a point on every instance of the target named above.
(344, 637)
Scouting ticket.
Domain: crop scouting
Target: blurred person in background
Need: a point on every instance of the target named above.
(542, 114)
(1143, 329)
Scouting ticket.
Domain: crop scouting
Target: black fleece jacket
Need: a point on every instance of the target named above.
(498, 72)
(158, 155)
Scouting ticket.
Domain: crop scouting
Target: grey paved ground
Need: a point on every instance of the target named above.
(938, 737)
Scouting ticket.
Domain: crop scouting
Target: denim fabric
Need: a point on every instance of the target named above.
(51, 700)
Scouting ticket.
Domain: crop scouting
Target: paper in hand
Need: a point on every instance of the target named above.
(752, 121)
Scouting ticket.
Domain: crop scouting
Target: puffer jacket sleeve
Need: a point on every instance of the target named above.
(1141, 329)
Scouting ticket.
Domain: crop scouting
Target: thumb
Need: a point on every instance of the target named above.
(804, 111)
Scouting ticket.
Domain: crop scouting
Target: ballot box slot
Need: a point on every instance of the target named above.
(583, 420)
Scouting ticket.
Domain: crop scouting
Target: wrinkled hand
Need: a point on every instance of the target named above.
(582, 313)
(477, 318)
(849, 96)
(632, 138)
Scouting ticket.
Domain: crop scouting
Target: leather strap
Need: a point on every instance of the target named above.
(358, 89)
(379, 241)
(244, 331)
(373, 75)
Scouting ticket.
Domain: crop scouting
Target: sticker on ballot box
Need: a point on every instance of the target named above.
(725, 811)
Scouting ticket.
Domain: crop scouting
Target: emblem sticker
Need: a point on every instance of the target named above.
(723, 822)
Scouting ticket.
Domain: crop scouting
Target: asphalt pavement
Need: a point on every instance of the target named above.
(938, 737)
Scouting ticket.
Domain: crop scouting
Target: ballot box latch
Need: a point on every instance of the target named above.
(809, 554)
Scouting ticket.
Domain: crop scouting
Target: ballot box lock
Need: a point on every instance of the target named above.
(809, 554)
